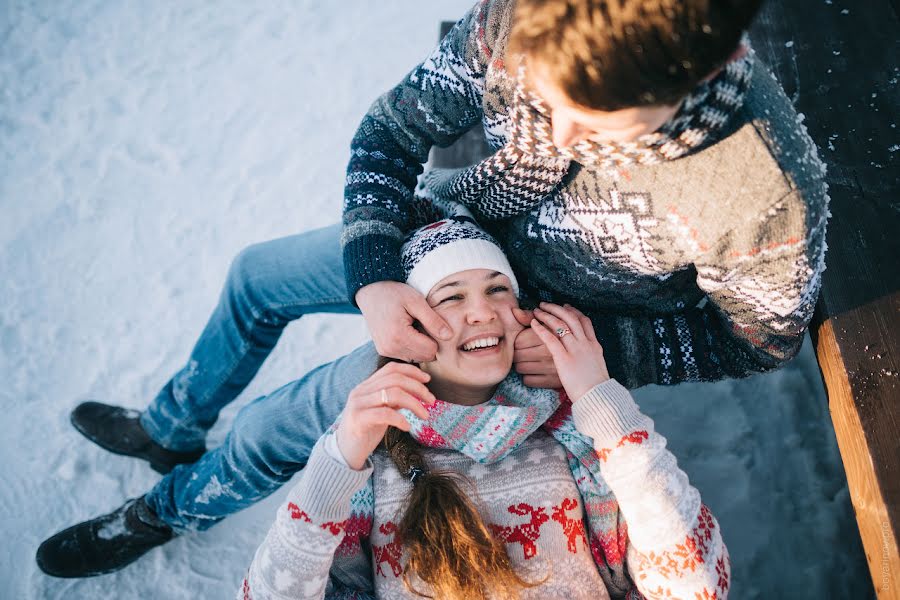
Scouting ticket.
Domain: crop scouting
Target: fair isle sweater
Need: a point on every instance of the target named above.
(528, 499)
(695, 269)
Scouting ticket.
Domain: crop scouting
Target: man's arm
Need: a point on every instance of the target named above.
(434, 105)
(761, 281)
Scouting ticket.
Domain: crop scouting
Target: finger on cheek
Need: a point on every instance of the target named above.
(542, 332)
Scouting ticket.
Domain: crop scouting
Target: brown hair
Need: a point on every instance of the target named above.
(614, 54)
(448, 545)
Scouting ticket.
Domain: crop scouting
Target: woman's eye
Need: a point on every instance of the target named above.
(498, 289)
(454, 297)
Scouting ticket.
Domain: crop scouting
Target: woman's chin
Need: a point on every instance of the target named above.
(488, 372)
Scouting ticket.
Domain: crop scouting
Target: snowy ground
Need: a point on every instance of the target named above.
(142, 145)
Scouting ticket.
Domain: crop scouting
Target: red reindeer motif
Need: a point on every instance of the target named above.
(296, 513)
(635, 437)
(572, 528)
(334, 527)
(526, 533)
(389, 553)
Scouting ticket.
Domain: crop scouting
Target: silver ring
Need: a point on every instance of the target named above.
(561, 332)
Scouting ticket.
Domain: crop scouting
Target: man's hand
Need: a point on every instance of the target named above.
(390, 308)
(531, 357)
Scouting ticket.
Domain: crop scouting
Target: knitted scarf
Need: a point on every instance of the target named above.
(529, 166)
(487, 433)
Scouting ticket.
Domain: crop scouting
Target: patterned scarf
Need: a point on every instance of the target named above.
(529, 166)
(487, 433)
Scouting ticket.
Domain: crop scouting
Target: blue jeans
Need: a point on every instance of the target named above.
(269, 285)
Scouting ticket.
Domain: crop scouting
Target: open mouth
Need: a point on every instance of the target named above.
(482, 345)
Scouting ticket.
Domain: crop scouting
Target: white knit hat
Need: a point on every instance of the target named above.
(449, 246)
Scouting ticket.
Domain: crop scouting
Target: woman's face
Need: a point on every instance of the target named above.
(477, 305)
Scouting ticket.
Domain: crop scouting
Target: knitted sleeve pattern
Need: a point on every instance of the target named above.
(434, 105)
(298, 558)
(761, 281)
(675, 546)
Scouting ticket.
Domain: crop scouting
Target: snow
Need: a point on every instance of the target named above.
(114, 528)
(142, 145)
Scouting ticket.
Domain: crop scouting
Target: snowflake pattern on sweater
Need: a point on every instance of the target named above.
(698, 268)
(672, 545)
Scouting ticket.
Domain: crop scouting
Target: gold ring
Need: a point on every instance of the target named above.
(561, 332)
(384, 398)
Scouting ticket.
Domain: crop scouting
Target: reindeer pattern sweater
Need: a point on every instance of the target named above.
(529, 500)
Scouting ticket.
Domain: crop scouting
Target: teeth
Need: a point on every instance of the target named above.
(482, 343)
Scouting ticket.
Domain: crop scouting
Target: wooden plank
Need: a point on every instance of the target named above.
(467, 150)
(841, 69)
(869, 504)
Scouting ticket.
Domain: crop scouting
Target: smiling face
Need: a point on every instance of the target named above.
(477, 305)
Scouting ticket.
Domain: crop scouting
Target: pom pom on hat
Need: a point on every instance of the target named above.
(450, 246)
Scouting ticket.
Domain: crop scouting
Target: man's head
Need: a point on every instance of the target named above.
(615, 70)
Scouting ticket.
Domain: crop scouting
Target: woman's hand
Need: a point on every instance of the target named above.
(577, 354)
(372, 408)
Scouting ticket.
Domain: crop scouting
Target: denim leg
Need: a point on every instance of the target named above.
(268, 285)
(270, 441)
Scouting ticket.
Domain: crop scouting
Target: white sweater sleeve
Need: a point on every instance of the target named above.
(675, 546)
(296, 556)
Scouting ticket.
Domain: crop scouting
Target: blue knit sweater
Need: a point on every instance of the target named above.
(695, 269)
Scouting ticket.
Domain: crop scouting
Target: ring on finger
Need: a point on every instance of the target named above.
(384, 398)
(562, 331)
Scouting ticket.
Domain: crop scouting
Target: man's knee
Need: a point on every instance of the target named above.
(249, 274)
(277, 432)
(258, 448)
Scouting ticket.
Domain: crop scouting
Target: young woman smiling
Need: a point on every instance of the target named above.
(451, 479)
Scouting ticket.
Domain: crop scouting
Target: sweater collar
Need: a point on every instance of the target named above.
(699, 121)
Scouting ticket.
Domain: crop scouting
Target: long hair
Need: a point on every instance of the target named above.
(449, 547)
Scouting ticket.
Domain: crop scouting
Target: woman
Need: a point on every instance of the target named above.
(454, 480)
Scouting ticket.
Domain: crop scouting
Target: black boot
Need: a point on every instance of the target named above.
(119, 430)
(104, 544)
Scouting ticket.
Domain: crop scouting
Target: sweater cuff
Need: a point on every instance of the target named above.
(369, 259)
(327, 486)
(607, 413)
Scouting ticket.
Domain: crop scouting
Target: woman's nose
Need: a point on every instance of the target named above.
(481, 311)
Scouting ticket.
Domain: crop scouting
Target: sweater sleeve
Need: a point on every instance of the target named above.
(761, 283)
(675, 548)
(297, 554)
(434, 105)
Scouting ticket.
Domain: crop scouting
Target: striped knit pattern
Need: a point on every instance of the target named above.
(529, 167)
(489, 432)
(697, 252)
(556, 498)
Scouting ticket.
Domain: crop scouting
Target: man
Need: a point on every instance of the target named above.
(645, 171)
